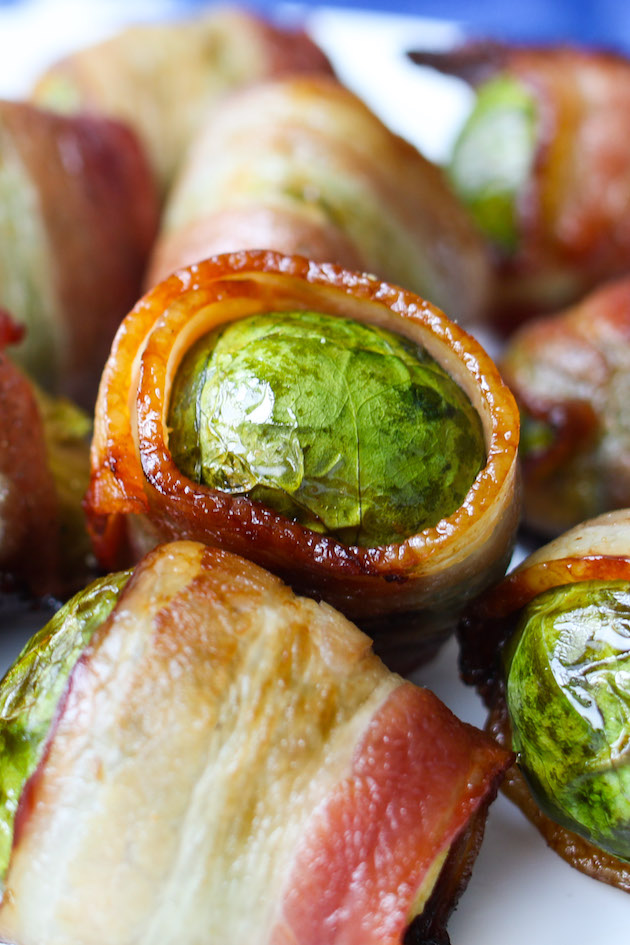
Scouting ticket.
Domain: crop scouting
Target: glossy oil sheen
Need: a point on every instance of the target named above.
(493, 156)
(32, 688)
(568, 693)
(349, 429)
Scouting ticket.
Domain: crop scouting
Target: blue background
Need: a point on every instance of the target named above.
(599, 22)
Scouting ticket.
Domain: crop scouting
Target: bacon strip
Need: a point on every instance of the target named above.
(408, 796)
(231, 762)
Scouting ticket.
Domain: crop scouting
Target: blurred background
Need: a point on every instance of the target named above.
(365, 39)
(600, 21)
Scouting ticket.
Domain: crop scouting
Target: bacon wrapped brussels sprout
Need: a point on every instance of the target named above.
(192, 737)
(550, 649)
(28, 505)
(337, 430)
(569, 373)
(44, 473)
(543, 165)
(568, 698)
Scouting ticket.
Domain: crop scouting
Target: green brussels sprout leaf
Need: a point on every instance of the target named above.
(349, 429)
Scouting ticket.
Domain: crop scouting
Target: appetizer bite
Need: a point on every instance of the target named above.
(570, 375)
(78, 214)
(193, 737)
(328, 180)
(338, 430)
(549, 649)
(44, 473)
(162, 79)
(544, 167)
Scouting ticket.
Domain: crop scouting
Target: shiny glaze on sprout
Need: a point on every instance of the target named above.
(347, 428)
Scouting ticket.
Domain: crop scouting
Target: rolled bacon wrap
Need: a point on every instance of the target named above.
(163, 78)
(597, 550)
(569, 374)
(301, 165)
(79, 213)
(571, 219)
(405, 594)
(228, 761)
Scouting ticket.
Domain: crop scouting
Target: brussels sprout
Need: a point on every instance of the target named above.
(349, 429)
(31, 689)
(568, 695)
(493, 156)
